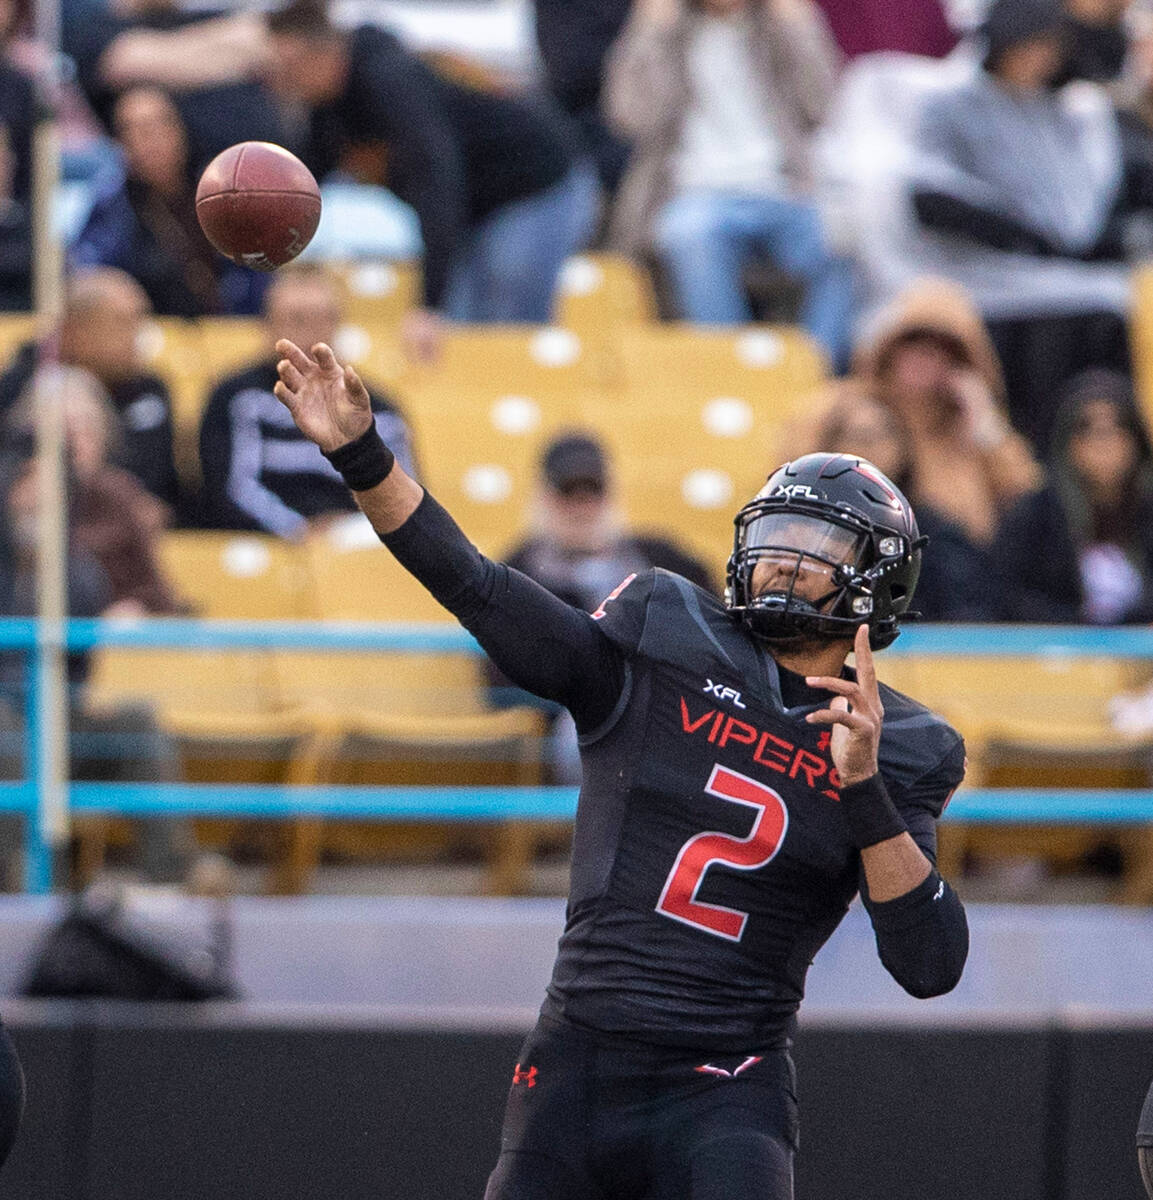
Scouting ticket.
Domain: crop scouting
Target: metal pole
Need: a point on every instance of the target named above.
(48, 270)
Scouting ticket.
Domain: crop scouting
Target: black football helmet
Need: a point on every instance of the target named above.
(831, 520)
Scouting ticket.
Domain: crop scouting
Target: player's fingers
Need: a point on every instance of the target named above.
(325, 357)
(284, 394)
(294, 354)
(832, 683)
(356, 388)
(866, 669)
(834, 716)
(290, 375)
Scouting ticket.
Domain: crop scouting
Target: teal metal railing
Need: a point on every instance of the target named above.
(486, 804)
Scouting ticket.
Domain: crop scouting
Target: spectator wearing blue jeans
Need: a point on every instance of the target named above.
(501, 192)
(720, 98)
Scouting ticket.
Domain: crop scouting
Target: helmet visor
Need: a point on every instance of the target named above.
(797, 554)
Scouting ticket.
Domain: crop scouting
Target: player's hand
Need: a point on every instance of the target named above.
(856, 715)
(328, 402)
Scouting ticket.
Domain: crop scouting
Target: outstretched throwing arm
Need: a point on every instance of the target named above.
(538, 641)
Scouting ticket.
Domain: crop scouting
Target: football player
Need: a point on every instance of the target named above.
(741, 786)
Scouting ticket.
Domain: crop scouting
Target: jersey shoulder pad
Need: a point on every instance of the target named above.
(622, 614)
(920, 752)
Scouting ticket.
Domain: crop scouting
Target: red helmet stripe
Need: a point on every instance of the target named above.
(871, 473)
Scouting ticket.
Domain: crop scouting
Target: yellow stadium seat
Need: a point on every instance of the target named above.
(1047, 704)
(598, 296)
(206, 700)
(1037, 722)
(396, 718)
(174, 350)
(15, 330)
(237, 576)
(376, 294)
(230, 344)
(407, 719)
(771, 368)
(604, 291)
(1141, 339)
(483, 414)
(363, 583)
(221, 710)
(696, 426)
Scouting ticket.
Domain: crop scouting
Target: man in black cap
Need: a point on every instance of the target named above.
(578, 549)
(578, 543)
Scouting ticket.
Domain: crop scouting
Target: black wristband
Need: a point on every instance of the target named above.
(364, 462)
(870, 815)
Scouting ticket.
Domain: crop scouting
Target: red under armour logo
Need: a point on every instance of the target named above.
(521, 1076)
(709, 1069)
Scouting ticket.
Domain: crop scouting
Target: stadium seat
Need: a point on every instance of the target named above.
(696, 426)
(398, 718)
(598, 296)
(377, 294)
(236, 576)
(1141, 338)
(483, 414)
(356, 579)
(222, 711)
(1039, 722)
(173, 349)
(231, 343)
(15, 330)
(771, 368)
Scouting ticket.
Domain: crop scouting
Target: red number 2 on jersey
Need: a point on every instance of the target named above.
(679, 897)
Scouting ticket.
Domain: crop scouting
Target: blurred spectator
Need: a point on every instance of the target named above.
(496, 183)
(259, 472)
(577, 547)
(1097, 42)
(111, 516)
(1022, 184)
(17, 119)
(929, 360)
(1082, 549)
(1135, 115)
(211, 60)
(110, 572)
(719, 99)
(955, 570)
(909, 26)
(104, 315)
(574, 40)
(144, 221)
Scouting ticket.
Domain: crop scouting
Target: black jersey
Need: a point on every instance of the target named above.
(710, 861)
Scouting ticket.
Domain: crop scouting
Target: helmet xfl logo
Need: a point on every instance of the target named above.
(525, 1075)
(795, 489)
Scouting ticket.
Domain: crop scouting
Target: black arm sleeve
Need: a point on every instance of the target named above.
(922, 936)
(948, 214)
(542, 644)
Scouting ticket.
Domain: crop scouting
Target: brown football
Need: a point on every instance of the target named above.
(258, 204)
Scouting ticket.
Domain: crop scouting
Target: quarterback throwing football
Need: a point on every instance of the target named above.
(741, 786)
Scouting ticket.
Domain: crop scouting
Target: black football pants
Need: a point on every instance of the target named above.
(599, 1118)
